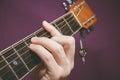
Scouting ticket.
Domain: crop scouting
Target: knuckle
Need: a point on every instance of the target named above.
(58, 49)
(48, 57)
(71, 40)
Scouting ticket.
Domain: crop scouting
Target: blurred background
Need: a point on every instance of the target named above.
(19, 18)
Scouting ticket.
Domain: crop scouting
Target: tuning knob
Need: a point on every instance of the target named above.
(84, 32)
(66, 4)
(91, 28)
(70, 2)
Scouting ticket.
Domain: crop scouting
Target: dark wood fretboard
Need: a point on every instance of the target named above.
(18, 60)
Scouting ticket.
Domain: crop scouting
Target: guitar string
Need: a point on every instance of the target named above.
(27, 51)
(21, 55)
(24, 46)
(46, 32)
(13, 55)
(18, 50)
(58, 25)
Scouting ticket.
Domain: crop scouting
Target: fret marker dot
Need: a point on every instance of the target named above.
(15, 62)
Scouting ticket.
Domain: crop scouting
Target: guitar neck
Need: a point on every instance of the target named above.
(18, 60)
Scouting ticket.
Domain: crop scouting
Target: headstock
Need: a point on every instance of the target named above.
(82, 13)
(85, 18)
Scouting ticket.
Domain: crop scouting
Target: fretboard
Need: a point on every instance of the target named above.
(18, 60)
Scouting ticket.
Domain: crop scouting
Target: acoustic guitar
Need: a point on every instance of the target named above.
(18, 60)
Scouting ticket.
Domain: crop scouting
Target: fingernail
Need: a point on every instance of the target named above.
(45, 22)
(34, 39)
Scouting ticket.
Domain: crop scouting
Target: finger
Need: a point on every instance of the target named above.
(44, 55)
(52, 46)
(68, 44)
(51, 29)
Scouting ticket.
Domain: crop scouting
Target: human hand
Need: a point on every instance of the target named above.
(56, 52)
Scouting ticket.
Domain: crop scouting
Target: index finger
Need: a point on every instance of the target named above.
(51, 29)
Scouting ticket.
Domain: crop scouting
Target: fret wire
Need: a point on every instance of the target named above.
(74, 25)
(67, 24)
(15, 60)
(45, 34)
(39, 30)
(20, 58)
(56, 25)
(24, 53)
(11, 61)
(73, 22)
(69, 13)
(27, 39)
(20, 49)
(60, 25)
(63, 25)
(2, 59)
(68, 18)
(15, 52)
(66, 31)
(18, 67)
(9, 56)
(10, 67)
(30, 58)
(53, 23)
(2, 62)
(6, 74)
(6, 59)
(28, 54)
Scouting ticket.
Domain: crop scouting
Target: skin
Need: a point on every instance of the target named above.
(57, 54)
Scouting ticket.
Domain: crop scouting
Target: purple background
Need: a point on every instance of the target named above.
(18, 18)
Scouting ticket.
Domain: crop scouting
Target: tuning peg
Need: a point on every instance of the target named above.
(70, 2)
(66, 4)
(84, 32)
(91, 28)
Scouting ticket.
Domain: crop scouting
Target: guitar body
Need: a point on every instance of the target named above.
(17, 60)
